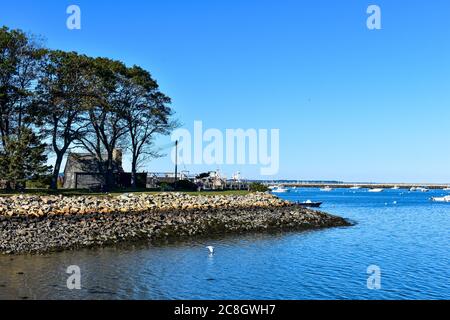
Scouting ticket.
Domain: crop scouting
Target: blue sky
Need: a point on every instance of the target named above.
(351, 103)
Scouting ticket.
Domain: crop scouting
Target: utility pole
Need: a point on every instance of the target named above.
(176, 164)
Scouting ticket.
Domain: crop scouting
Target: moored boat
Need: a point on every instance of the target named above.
(310, 204)
(441, 199)
(420, 189)
(279, 189)
(376, 190)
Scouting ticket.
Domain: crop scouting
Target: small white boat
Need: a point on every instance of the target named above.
(422, 189)
(395, 188)
(326, 189)
(310, 204)
(413, 189)
(446, 189)
(441, 199)
(279, 190)
(355, 188)
(375, 190)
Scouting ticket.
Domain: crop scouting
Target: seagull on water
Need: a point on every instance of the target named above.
(211, 249)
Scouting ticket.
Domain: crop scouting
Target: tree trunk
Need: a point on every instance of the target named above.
(110, 172)
(8, 186)
(57, 167)
(133, 174)
(109, 180)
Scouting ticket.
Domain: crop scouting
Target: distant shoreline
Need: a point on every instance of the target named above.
(364, 185)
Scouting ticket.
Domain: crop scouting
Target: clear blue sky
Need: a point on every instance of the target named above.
(351, 104)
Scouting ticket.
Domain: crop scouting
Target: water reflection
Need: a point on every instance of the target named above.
(408, 240)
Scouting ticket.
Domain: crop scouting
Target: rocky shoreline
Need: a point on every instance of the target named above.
(40, 224)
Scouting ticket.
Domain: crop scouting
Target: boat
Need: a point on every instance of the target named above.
(375, 190)
(326, 189)
(441, 199)
(413, 189)
(279, 189)
(422, 189)
(310, 204)
(355, 188)
(446, 189)
(395, 188)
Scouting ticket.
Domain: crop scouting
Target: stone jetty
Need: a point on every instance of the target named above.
(39, 224)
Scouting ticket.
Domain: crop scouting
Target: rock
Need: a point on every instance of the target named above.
(31, 224)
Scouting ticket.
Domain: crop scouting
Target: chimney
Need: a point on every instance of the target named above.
(117, 157)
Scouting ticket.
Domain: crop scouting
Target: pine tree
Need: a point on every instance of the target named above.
(22, 155)
(25, 161)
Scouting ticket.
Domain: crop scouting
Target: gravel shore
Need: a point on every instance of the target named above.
(40, 224)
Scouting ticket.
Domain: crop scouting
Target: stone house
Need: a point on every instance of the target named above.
(83, 170)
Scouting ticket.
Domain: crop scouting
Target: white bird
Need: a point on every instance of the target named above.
(211, 249)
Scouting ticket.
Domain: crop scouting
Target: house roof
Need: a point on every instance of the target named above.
(87, 163)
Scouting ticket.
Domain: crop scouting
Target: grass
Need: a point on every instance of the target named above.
(72, 193)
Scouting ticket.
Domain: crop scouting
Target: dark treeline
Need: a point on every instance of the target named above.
(55, 100)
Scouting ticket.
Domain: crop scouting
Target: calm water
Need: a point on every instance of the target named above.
(409, 241)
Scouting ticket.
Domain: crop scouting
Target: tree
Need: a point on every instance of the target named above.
(107, 129)
(62, 102)
(26, 159)
(74, 101)
(258, 187)
(146, 113)
(20, 65)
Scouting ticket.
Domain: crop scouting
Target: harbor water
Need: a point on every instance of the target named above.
(402, 233)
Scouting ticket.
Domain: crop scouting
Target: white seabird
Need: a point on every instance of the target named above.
(210, 249)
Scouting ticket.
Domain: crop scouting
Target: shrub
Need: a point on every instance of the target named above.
(40, 183)
(165, 187)
(258, 187)
(185, 185)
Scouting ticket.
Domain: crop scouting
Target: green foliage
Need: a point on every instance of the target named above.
(42, 182)
(258, 187)
(165, 186)
(186, 185)
(62, 98)
(22, 154)
(96, 104)
(25, 159)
